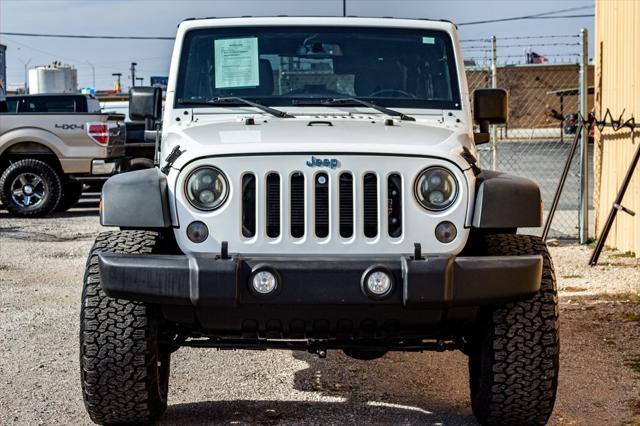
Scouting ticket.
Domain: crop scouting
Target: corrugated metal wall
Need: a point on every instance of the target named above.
(617, 83)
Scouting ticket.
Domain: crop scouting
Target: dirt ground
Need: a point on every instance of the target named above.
(41, 266)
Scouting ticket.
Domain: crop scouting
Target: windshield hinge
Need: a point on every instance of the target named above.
(471, 160)
(171, 158)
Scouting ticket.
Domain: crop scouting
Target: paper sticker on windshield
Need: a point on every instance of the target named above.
(237, 63)
(428, 40)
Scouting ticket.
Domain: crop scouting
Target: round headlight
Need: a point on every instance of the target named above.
(207, 188)
(436, 188)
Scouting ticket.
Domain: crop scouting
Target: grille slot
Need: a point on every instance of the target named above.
(359, 209)
(297, 205)
(248, 205)
(346, 205)
(322, 205)
(273, 205)
(394, 205)
(370, 205)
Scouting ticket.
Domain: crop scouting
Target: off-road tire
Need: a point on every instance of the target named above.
(124, 371)
(514, 354)
(51, 194)
(71, 193)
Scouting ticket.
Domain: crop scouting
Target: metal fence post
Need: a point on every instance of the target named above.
(583, 215)
(494, 84)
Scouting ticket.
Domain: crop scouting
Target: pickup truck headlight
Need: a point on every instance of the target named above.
(207, 188)
(436, 188)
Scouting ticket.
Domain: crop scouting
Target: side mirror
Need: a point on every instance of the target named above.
(145, 104)
(490, 106)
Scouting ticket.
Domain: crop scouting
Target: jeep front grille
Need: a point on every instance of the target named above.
(278, 204)
(343, 221)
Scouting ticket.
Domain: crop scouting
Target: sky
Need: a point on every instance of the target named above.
(161, 17)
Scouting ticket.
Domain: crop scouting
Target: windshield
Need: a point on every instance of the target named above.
(282, 66)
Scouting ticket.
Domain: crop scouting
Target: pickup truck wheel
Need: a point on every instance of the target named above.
(71, 193)
(124, 371)
(514, 356)
(30, 188)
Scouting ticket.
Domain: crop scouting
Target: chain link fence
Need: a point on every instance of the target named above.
(534, 144)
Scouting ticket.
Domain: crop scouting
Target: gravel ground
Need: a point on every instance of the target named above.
(41, 266)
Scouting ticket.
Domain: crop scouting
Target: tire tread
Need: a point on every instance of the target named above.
(118, 342)
(514, 367)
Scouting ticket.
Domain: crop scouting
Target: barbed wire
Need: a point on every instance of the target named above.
(510, 46)
(528, 37)
(552, 55)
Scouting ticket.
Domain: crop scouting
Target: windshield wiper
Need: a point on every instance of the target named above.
(388, 111)
(237, 101)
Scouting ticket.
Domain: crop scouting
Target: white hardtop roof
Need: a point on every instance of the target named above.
(348, 21)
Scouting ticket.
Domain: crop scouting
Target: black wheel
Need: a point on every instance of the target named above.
(30, 188)
(514, 356)
(71, 193)
(124, 371)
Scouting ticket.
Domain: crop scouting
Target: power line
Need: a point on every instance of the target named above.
(543, 15)
(526, 18)
(104, 37)
(81, 63)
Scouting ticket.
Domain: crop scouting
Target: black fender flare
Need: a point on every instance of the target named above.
(506, 201)
(137, 199)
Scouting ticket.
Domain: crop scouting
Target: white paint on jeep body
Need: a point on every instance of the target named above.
(221, 135)
(358, 138)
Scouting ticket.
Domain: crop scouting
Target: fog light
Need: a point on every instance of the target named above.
(446, 232)
(377, 282)
(264, 282)
(197, 232)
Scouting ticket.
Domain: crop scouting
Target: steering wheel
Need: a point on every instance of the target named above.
(401, 92)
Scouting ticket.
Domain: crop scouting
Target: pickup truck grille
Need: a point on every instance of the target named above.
(343, 222)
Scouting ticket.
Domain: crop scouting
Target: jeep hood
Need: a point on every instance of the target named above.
(317, 135)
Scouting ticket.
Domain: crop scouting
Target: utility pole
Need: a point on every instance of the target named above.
(344, 7)
(494, 84)
(93, 71)
(583, 215)
(118, 85)
(133, 73)
(26, 74)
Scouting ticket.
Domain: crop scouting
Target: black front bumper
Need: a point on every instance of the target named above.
(207, 281)
(320, 299)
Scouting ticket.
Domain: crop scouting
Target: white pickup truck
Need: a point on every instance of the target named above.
(319, 189)
(50, 145)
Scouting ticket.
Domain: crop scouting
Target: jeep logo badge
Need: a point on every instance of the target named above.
(323, 162)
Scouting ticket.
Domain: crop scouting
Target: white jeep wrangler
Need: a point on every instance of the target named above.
(318, 188)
